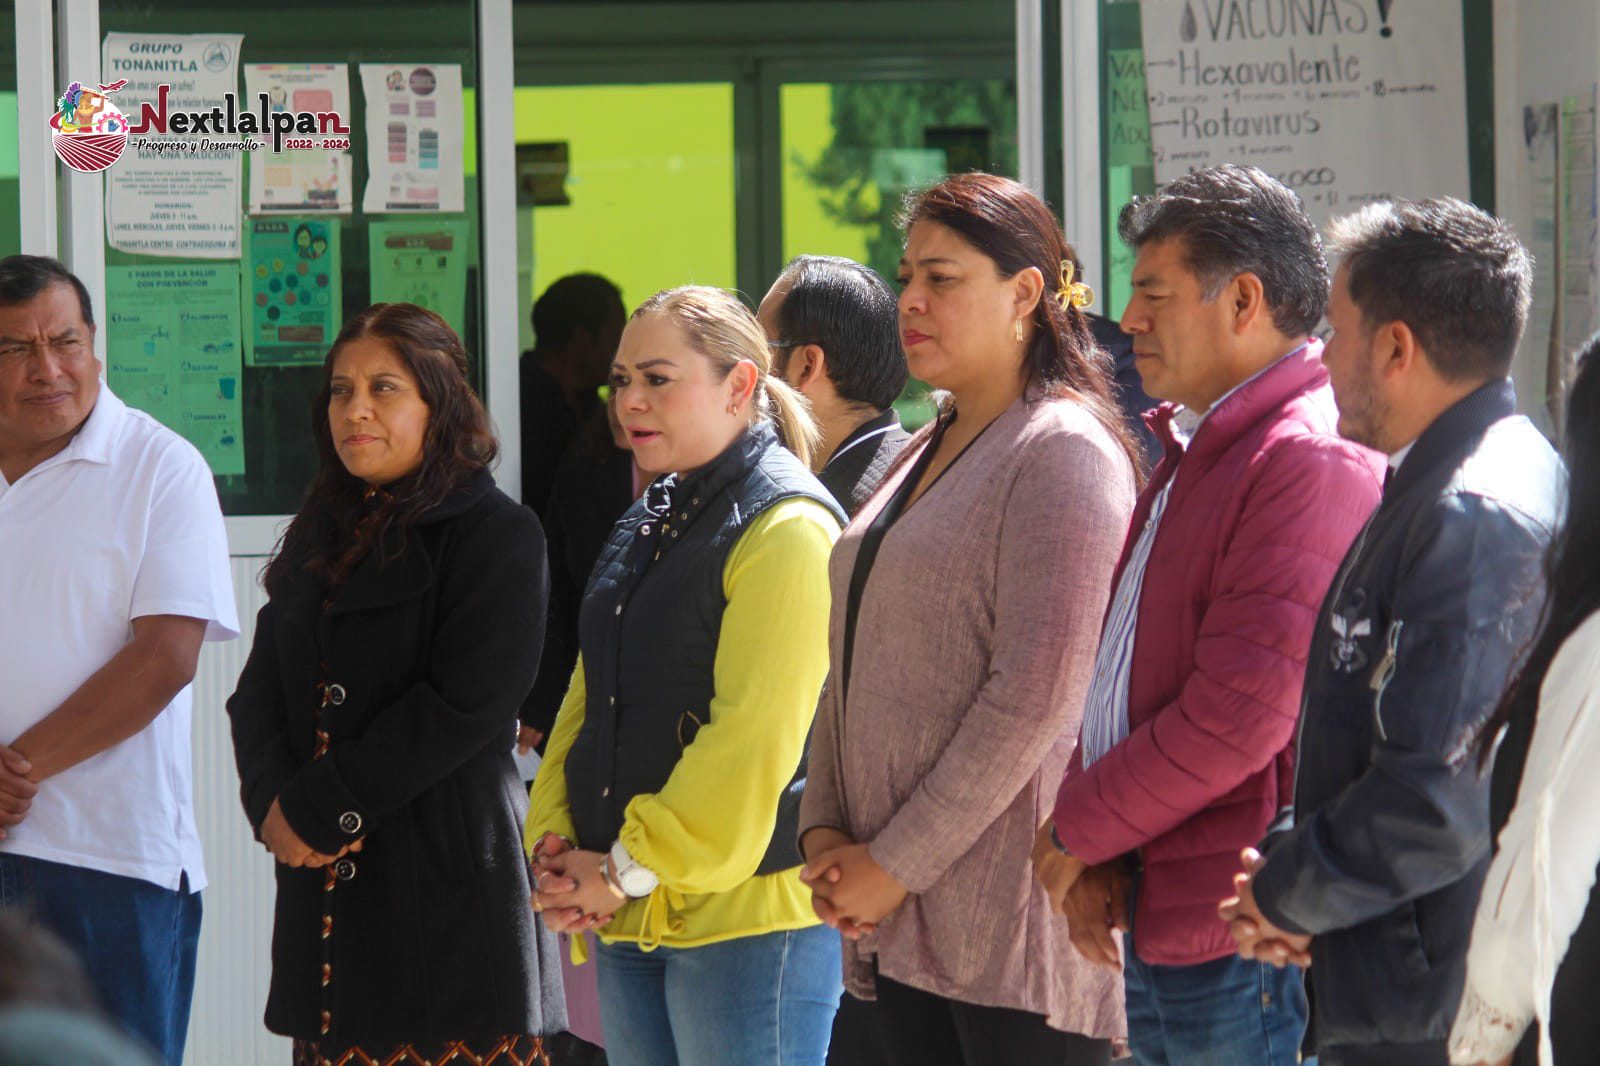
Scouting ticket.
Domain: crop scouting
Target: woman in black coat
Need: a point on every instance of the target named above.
(374, 721)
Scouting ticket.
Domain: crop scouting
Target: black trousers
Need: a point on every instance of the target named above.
(855, 1040)
(917, 1028)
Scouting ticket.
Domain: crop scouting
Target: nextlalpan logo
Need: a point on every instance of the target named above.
(90, 133)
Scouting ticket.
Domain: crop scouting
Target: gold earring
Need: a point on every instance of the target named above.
(1018, 329)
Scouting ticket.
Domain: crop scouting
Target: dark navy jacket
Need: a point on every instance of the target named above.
(860, 462)
(1412, 649)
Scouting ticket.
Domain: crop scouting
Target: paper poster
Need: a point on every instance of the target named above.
(1334, 99)
(1127, 113)
(1539, 164)
(308, 180)
(414, 137)
(421, 261)
(172, 348)
(1580, 206)
(173, 203)
(292, 294)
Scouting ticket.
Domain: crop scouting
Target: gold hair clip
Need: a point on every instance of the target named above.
(1073, 293)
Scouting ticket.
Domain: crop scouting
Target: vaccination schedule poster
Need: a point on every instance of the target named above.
(1331, 98)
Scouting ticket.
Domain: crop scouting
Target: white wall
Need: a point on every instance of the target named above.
(235, 935)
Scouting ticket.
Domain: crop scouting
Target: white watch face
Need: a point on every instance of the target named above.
(635, 881)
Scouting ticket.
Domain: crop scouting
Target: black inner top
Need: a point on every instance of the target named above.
(872, 539)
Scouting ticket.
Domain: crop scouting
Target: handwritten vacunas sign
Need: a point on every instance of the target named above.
(1345, 101)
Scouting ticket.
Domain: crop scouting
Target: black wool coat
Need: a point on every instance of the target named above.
(417, 669)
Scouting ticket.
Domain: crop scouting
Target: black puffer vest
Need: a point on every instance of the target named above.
(648, 631)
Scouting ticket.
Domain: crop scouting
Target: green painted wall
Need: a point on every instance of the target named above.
(651, 184)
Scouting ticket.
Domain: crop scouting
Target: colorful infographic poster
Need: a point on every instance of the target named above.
(306, 180)
(172, 347)
(292, 291)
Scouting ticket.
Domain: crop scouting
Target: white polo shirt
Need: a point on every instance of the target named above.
(121, 524)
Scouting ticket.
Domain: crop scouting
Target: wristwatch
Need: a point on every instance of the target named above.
(633, 879)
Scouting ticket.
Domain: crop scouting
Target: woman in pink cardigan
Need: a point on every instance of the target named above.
(967, 599)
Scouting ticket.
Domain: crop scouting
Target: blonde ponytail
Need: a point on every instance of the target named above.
(791, 416)
(723, 330)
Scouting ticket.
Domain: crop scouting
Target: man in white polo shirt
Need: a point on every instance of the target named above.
(113, 571)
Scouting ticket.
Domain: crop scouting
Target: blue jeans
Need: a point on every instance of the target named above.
(1228, 1012)
(137, 940)
(754, 1001)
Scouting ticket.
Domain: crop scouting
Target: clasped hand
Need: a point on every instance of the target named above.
(287, 847)
(850, 892)
(1256, 937)
(17, 789)
(569, 888)
(1093, 899)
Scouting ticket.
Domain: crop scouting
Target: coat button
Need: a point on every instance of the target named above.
(336, 694)
(619, 608)
(344, 870)
(612, 702)
(350, 822)
(645, 529)
(684, 517)
(605, 791)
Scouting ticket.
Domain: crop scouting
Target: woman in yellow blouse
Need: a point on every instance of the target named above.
(665, 810)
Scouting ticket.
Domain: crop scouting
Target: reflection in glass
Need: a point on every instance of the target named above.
(853, 149)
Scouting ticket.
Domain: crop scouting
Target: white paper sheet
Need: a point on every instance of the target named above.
(414, 137)
(186, 204)
(1344, 102)
(305, 181)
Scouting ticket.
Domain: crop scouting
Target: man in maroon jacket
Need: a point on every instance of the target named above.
(1185, 753)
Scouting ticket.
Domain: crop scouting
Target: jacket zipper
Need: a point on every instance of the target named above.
(1384, 674)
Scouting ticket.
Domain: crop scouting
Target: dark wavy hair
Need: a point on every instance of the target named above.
(1571, 564)
(1005, 221)
(336, 526)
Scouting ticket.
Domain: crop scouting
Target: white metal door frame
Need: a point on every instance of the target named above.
(81, 206)
(36, 96)
(1081, 197)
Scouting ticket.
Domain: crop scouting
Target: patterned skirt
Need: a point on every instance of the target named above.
(508, 1051)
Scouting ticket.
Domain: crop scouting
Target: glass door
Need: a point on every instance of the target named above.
(852, 148)
(10, 189)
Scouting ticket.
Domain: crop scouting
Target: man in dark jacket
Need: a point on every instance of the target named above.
(834, 328)
(577, 323)
(1377, 876)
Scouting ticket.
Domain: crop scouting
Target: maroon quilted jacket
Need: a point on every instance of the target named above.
(1266, 502)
